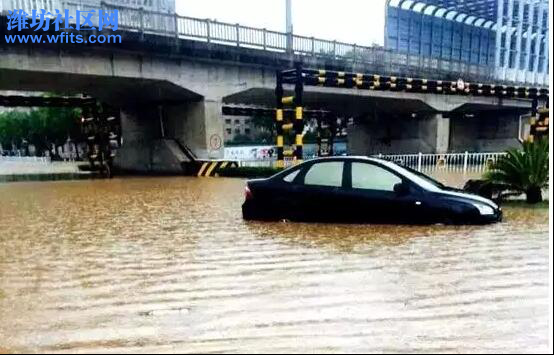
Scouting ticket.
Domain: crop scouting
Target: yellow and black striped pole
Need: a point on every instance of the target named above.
(299, 116)
(279, 121)
(539, 122)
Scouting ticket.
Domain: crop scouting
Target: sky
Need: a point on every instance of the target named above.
(353, 21)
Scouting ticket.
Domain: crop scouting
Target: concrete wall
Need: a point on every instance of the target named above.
(399, 135)
(488, 132)
(138, 133)
(147, 148)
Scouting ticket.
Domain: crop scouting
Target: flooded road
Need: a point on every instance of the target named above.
(168, 265)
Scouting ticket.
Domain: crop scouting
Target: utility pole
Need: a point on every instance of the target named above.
(289, 16)
(289, 25)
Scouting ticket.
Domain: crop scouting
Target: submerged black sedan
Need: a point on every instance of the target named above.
(359, 190)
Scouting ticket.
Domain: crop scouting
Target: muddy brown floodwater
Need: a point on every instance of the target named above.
(168, 265)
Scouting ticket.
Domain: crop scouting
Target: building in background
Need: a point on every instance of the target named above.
(239, 127)
(509, 36)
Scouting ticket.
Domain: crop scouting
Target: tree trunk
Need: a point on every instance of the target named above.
(534, 195)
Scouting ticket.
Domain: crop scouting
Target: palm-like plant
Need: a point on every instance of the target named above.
(524, 171)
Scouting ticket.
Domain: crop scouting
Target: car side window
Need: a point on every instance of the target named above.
(290, 177)
(325, 174)
(372, 177)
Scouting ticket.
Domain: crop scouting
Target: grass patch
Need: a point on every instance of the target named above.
(249, 172)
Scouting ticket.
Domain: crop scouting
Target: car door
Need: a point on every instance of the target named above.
(372, 195)
(283, 195)
(319, 193)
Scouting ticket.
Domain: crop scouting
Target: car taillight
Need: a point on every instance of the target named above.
(247, 193)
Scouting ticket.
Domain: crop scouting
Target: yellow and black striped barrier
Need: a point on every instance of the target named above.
(328, 78)
(213, 168)
(288, 114)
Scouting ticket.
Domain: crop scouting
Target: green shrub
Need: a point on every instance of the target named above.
(524, 171)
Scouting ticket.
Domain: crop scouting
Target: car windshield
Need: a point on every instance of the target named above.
(426, 177)
(418, 178)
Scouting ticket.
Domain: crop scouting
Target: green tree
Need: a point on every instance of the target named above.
(524, 170)
(42, 128)
(13, 128)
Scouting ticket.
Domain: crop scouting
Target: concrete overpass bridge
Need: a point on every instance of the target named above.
(170, 87)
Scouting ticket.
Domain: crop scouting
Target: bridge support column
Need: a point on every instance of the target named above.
(442, 133)
(137, 135)
(146, 149)
(199, 126)
(159, 139)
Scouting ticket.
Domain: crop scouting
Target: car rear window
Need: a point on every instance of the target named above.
(290, 177)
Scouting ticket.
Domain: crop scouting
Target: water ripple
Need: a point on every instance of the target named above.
(168, 265)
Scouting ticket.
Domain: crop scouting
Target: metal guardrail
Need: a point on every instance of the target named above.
(211, 31)
(456, 162)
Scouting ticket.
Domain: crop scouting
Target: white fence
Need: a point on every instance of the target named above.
(264, 163)
(44, 160)
(456, 162)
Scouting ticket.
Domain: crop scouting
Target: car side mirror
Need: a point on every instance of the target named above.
(401, 189)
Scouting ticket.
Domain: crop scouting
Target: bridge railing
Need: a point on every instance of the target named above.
(211, 31)
(243, 36)
(382, 60)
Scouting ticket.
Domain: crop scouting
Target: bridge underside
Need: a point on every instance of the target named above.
(115, 91)
(392, 122)
(161, 119)
(163, 124)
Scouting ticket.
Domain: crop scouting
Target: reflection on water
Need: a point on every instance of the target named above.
(168, 265)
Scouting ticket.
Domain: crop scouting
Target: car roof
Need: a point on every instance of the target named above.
(348, 157)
